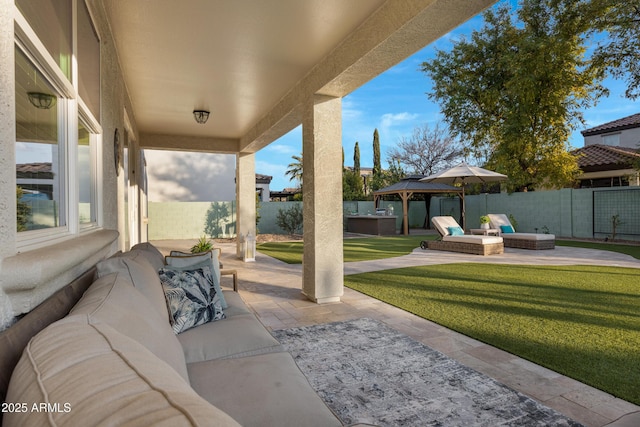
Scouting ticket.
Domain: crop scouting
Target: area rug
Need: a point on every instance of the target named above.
(367, 372)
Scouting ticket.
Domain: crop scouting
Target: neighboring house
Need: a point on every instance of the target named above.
(605, 166)
(610, 154)
(262, 186)
(624, 132)
(367, 176)
(285, 195)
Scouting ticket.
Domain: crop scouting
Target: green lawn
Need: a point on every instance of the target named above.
(360, 249)
(633, 250)
(581, 321)
(363, 249)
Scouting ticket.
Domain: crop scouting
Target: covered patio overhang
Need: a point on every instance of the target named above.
(409, 186)
(262, 69)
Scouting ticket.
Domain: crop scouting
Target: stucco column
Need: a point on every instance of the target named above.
(322, 279)
(245, 197)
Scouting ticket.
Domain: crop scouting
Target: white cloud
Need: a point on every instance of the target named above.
(388, 120)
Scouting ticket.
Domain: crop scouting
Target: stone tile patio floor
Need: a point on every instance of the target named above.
(272, 289)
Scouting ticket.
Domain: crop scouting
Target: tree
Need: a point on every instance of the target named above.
(356, 159)
(376, 175)
(352, 185)
(427, 150)
(516, 89)
(290, 220)
(294, 170)
(619, 52)
(23, 210)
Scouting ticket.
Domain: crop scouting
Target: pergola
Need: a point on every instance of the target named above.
(409, 186)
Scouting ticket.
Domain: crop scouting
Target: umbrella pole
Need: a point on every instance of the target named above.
(464, 219)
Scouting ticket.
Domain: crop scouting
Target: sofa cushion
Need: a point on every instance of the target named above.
(152, 253)
(235, 304)
(209, 259)
(270, 384)
(191, 297)
(144, 276)
(238, 336)
(93, 375)
(113, 300)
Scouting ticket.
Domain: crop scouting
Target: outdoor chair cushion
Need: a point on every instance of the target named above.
(475, 239)
(442, 224)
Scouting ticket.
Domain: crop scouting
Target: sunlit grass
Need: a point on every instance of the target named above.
(632, 250)
(581, 321)
(360, 249)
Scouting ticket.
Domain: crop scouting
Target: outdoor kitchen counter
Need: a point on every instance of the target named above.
(379, 225)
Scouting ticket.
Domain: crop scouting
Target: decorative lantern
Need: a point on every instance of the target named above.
(249, 248)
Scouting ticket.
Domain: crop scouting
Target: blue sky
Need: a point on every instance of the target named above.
(396, 102)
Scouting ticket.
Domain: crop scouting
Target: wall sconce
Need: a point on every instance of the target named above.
(201, 116)
(40, 100)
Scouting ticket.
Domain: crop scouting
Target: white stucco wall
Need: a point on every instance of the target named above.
(29, 276)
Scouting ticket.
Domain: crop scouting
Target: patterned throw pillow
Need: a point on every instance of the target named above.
(191, 298)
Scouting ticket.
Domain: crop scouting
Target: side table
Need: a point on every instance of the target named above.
(485, 231)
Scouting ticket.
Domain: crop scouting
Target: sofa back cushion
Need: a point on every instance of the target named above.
(150, 252)
(135, 266)
(113, 300)
(84, 372)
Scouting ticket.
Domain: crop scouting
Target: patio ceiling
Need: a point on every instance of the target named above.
(252, 63)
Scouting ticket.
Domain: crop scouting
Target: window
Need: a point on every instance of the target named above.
(51, 21)
(86, 176)
(57, 120)
(88, 61)
(40, 171)
(612, 139)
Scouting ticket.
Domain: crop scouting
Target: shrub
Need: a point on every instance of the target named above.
(290, 220)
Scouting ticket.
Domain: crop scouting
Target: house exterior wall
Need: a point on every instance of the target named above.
(628, 138)
(22, 287)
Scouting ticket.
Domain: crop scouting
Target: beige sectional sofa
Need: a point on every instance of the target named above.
(115, 360)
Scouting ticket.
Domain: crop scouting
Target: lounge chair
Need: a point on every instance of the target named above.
(453, 242)
(512, 239)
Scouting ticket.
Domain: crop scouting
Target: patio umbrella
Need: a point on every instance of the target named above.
(464, 174)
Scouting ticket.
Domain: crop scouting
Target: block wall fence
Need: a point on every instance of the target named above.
(577, 213)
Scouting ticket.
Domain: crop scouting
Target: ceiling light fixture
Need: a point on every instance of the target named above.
(43, 101)
(201, 116)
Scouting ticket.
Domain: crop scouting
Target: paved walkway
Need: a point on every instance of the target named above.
(272, 289)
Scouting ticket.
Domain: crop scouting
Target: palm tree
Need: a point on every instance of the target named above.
(294, 170)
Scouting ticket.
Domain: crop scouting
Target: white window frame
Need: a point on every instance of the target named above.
(71, 109)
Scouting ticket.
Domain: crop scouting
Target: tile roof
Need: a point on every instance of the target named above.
(629, 122)
(597, 155)
(33, 167)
